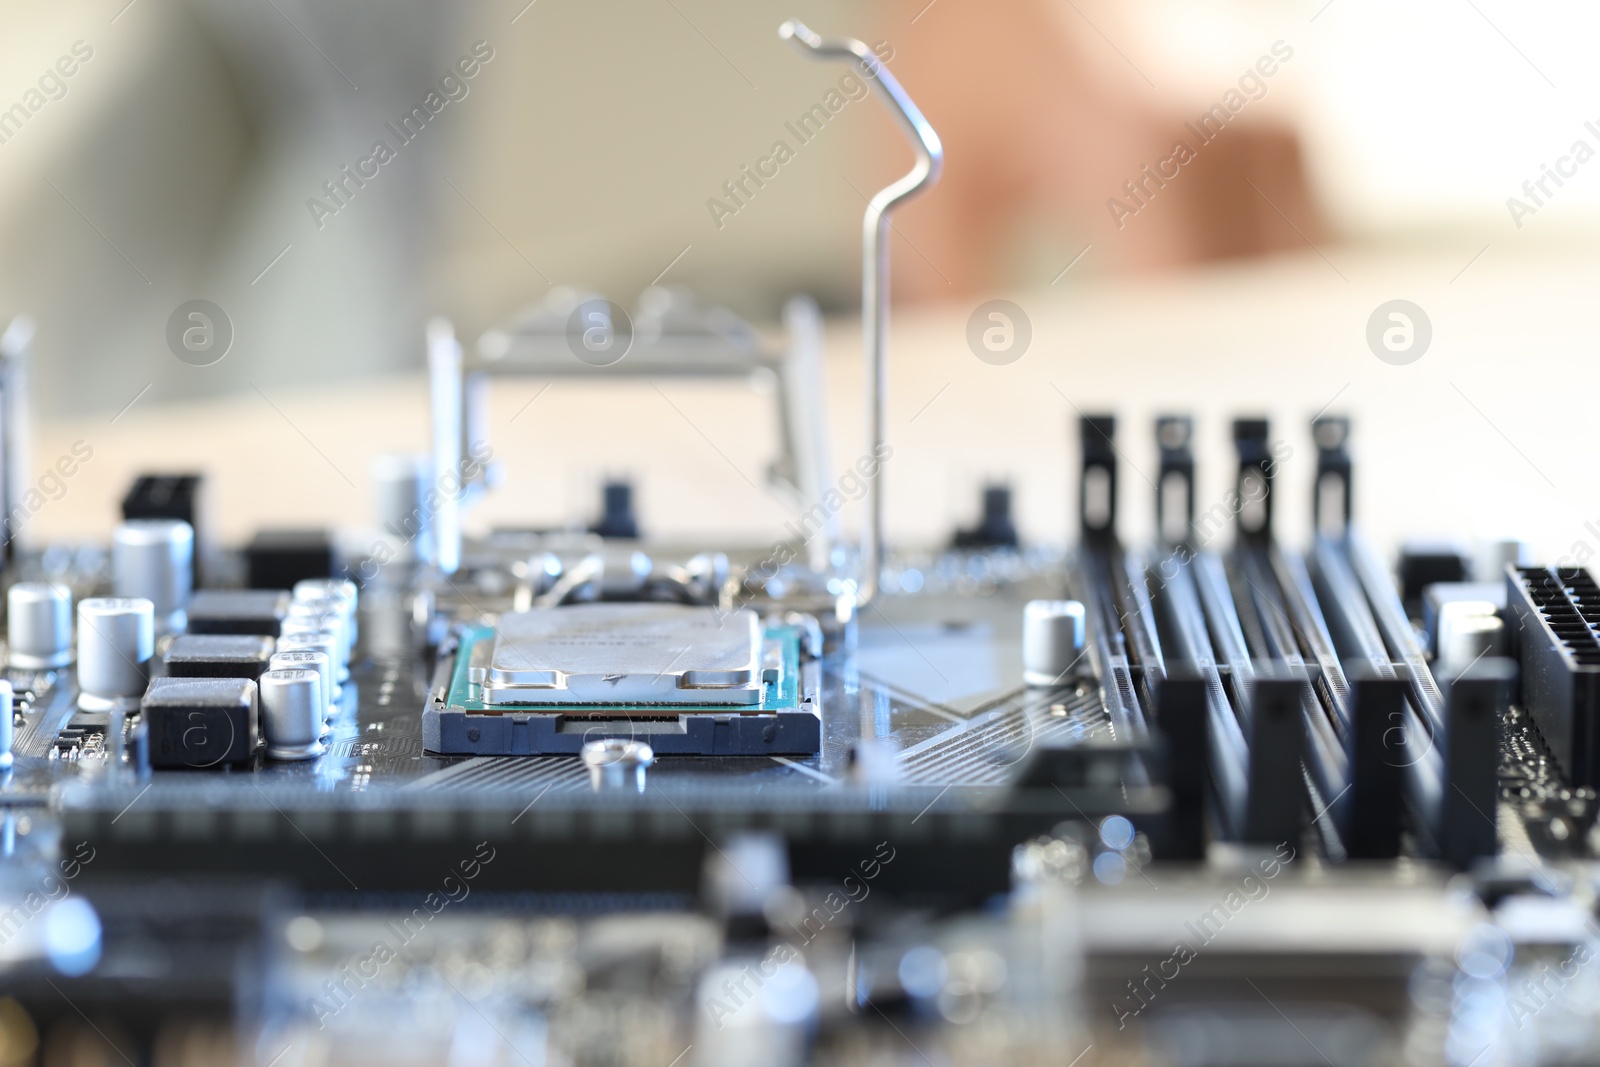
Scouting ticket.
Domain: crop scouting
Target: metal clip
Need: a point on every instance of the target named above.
(875, 261)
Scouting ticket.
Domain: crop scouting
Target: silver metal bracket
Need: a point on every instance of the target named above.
(875, 261)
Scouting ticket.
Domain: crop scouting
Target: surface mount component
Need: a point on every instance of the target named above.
(217, 656)
(1052, 641)
(154, 559)
(332, 614)
(292, 713)
(277, 559)
(200, 722)
(342, 588)
(324, 641)
(238, 611)
(116, 638)
(399, 482)
(608, 654)
(309, 659)
(38, 626)
(169, 496)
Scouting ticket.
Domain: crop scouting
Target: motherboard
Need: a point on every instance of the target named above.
(1190, 795)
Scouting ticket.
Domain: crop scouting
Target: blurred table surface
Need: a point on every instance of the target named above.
(1483, 436)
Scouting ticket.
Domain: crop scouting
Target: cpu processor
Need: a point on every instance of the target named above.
(689, 680)
(602, 655)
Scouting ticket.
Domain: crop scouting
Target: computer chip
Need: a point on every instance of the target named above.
(689, 681)
(634, 653)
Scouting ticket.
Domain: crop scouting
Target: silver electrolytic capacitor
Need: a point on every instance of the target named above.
(311, 626)
(323, 641)
(308, 659)
(398, 482)
(314, 588)
(8, 727)
(291, 714)
(38, 626)
(1052, 641)
(330, 613)
(342, 589)
(154, 559)
(116, 638)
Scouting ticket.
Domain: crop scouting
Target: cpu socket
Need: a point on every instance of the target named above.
(689, 680)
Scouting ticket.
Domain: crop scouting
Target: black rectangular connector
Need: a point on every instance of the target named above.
(1553, 612)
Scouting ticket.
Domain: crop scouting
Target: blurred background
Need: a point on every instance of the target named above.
(1369, 152)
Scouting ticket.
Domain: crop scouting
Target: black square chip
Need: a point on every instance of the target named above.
(201, 722)
(238, 611)
(218, 656)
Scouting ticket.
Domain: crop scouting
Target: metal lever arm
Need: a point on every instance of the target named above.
(875, 262)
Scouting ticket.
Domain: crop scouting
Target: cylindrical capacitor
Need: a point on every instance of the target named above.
(308, 659)
(341, 588)
(388, 622)
(315, 588)
(8, 727)
(38, 626)
(397, 487)
(291, 714)
(303, 625)
(324, 641)
(330, 613)
(1493, 556)
(154, 559)
(116, 638)
(1052, 641)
